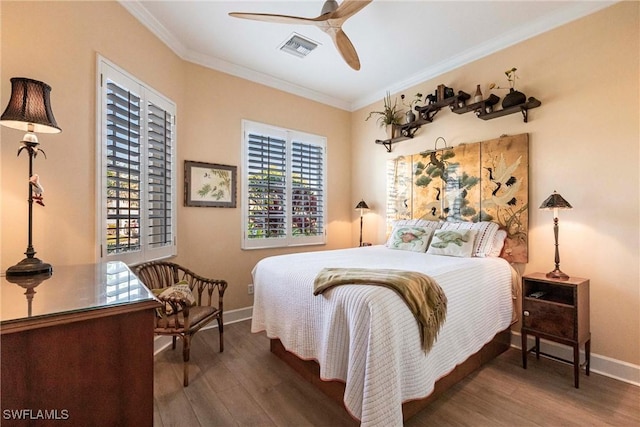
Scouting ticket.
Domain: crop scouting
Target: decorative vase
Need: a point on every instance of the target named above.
(514, 97)
(392, 131)
(478, 95)
(409, 116)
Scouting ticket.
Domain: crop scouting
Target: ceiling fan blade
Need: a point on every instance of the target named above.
(329, 22)
(345, 47)
(281, 19)
(348, 8)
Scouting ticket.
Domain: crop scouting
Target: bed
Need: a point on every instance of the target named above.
(365, 337)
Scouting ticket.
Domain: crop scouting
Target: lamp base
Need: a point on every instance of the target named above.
(29, 267)
(557, 274)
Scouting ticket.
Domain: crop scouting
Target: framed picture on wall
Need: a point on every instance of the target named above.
(209, 185)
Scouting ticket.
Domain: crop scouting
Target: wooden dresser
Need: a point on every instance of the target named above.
(77, 348)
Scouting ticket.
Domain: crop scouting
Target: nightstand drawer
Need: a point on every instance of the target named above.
(549, 318)
(556, 310)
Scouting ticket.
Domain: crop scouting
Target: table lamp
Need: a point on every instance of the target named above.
(555, 202)
(362, 206)
(29, 110)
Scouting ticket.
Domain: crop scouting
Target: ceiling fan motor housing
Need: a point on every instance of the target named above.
(328, 7)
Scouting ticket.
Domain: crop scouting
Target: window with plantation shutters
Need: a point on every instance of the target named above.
(137, 174)
(283, 187)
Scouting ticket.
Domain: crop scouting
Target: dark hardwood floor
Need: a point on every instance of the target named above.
(248, 386)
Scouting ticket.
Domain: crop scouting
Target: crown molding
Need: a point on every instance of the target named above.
(264, 79)
(142, 14)
(576, 10)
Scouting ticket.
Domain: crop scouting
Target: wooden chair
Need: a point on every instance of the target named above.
(176, 317)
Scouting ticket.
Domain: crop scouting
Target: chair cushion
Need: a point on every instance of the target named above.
(180, 290)
(175, 322)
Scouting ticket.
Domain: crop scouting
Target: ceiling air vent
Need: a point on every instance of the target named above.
(298, 45)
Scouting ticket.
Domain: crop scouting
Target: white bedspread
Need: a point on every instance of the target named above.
(366, 336)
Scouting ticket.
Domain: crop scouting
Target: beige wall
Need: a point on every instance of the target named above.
(210, 131)
(59, 46)
(583, 143)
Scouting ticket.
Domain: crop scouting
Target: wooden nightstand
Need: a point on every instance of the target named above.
(556, 310)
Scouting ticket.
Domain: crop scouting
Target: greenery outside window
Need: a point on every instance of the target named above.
(283, 187)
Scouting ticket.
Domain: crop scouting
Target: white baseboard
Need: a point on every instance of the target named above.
(232, 316)
(603, 365)
(617, 369)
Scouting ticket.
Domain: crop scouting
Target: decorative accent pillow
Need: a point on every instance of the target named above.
(498, 243)
(434, 225)
(179, 290)
(409, 238)
(484, 240)
(458, 243)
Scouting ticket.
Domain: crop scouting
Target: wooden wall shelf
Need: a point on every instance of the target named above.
(484, 110)
(389, 142)
(523, 108)
(477, 106)
(427, 112)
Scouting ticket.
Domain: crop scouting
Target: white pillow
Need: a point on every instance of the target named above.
(409, 238)
(458, 243)
(486, 233)
(498, 243)
(434, 225)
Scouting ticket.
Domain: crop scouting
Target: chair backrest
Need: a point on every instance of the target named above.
(162, 274)
(158, 274)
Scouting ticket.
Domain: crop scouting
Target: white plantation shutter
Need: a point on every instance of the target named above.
(307, 167)
(267, 198)
(123, 170)
(137, 174)
(283, 187)
(160, 185)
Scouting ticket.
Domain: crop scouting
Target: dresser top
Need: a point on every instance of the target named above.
(70, 290)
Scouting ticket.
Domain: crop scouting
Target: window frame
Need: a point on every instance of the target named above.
(106, 70)
(289, 136)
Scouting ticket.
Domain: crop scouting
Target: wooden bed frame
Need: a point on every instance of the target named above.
(310, 371)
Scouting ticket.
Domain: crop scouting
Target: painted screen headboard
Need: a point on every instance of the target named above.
(482, 181)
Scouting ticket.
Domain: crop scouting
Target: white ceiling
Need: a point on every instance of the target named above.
(400, 43)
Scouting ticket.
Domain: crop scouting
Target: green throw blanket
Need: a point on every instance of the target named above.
(423, 295)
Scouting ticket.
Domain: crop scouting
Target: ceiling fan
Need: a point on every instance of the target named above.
(330, 21)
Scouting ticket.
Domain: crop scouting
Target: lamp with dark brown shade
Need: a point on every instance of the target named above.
(555, 202)
(29, 110)
(362, 206)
